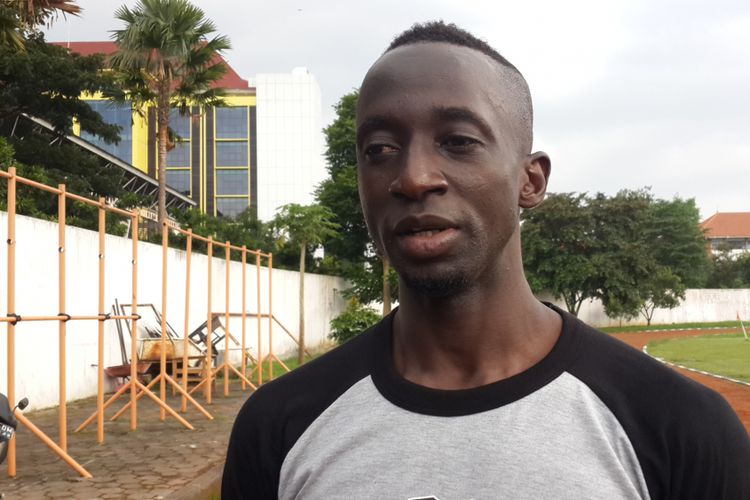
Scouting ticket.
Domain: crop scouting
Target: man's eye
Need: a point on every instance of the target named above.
(460, 143)
(375, 150)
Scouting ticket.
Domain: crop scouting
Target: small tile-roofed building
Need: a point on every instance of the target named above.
(728, 232)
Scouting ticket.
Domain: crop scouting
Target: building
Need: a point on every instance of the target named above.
(728, 232)
(263, 149)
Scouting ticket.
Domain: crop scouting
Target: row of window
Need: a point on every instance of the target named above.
(230, 182)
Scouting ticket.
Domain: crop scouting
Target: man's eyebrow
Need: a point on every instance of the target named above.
(371, 124)
(459, 114)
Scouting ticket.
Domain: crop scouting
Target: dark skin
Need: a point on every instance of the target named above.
(443, 170)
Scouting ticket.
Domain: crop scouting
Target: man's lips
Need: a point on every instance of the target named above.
(425, 237)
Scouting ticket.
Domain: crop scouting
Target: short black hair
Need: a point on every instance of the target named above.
(441, 32)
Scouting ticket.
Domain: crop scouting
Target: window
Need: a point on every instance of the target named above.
(179, 156)
(231, 182)
(120, 114)
(230, 207)
(179, 180)
(180, 124)
(231, 154)
(231, 123)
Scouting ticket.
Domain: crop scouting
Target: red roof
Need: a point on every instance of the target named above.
(230, 79)
(727, 225)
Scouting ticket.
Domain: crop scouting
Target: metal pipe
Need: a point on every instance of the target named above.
(62, 325)
(102, 312)
(259, 363)
(11, 308)
(134, 325)
(38, 185)
(228, 257)
(270, 317)
(189, 250)
(51, 444)
(209, 360)
(163, 342)
(244, 315)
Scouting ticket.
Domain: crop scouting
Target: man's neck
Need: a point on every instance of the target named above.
(478, 337)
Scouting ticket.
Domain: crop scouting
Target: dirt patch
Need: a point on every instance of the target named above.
(737, 395)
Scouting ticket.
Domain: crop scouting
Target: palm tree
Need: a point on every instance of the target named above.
(303, 226)
(19, 17)
(166, 59)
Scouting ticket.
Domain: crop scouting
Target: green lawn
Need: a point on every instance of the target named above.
(672, 326)
(727, 355)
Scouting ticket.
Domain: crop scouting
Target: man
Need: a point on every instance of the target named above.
(472, 388)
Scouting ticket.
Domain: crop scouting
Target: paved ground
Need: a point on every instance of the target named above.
(737, 395)
(158, 460)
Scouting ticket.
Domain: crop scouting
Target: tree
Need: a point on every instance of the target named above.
(351, 252)
(20, 18)
(165, 58)
(304, 226)
(662, 290)
(560, 249)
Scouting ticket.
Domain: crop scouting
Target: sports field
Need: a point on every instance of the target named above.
(727, 355)
(738, 395)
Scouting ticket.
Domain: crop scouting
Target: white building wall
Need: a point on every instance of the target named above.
(36, 294)
(290, 139)
(700, 305)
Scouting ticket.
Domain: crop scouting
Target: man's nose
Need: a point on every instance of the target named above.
(419, 175)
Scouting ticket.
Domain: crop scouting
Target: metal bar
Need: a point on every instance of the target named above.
(163, 342)
(52, 446)
(11, 308)
(134, 326)
(270, 318)
(139, 395)
(259, 363)
(244, 316)
(102, 312)
(228, 257)
(38, 185)
(62, 325)
(165, 407)
(107, 404)
(209, 359)
(189, 249)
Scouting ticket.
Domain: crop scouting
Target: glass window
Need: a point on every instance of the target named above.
(179, 156)
(120, 114)
(231, 123)
(179, 123)
(231, 182)
(179, 180)
(231, 154)
(230, 207)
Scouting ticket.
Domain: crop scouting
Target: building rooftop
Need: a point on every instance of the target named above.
(727, 225)
(230, 79)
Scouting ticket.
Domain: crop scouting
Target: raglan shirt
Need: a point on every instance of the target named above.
(594, 419)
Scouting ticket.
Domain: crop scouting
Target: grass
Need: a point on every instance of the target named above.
(727, 355)
(671, 326)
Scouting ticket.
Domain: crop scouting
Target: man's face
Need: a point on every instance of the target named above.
(439, 165)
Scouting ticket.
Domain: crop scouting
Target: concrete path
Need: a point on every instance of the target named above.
(158, 460)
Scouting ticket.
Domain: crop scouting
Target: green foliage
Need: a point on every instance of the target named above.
(727, 271)
(304, 225)
(727, 355)
(630, 251)
(353, 321)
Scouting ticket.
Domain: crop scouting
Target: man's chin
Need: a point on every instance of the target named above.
(439, 287)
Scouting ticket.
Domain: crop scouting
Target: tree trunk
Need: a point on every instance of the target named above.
(162, 113)
(301, 353)
(386, 288)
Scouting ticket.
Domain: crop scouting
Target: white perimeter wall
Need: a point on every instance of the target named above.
(37, 295)
(698, 306)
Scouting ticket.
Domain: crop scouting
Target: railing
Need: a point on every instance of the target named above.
(134, 387)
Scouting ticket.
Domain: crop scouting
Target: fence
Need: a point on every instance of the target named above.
(16, 317)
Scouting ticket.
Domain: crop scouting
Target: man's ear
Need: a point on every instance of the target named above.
(534, 176)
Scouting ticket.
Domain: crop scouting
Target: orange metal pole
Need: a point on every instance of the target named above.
(11, 309)
(228, 257)
(209, 362)
(62, 326)
(244, 315)
(185, 344)
(259, 363)
(100, 365)
(134, 325)
(163, 342)
(51, 444)
(270, 317)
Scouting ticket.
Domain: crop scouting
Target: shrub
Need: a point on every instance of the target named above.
(354, 320)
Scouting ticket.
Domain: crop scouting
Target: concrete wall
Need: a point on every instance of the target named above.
(698, 306)
(36, 294)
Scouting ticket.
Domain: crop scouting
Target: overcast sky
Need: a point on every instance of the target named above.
(627, 93)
